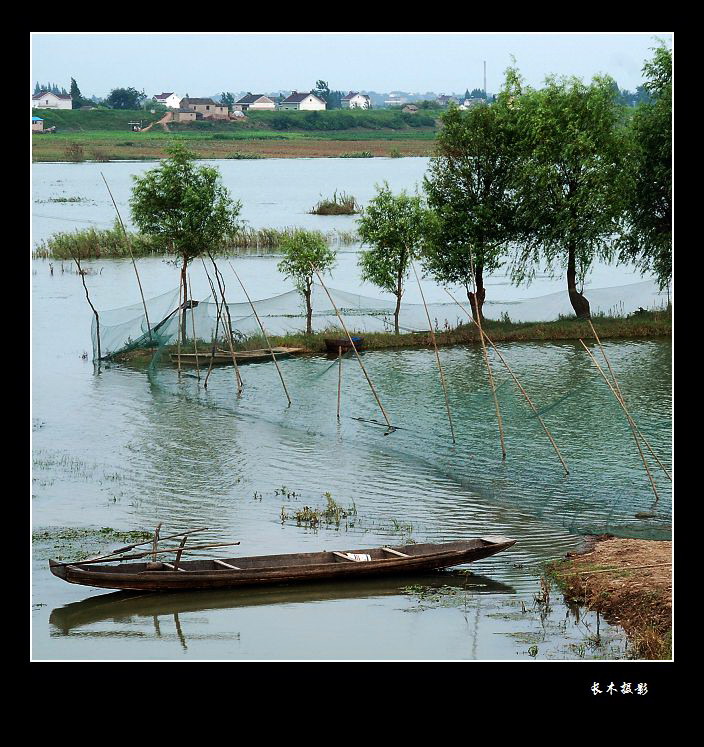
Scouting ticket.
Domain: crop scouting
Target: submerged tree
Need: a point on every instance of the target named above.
(646, 186)
(469, 188)
(393, 226)
(566, 206)
(304, 253)
(184, 208)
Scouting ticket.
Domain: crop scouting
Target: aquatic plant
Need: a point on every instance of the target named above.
(342, 204)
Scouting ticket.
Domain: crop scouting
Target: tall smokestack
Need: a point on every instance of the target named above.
(484, 78)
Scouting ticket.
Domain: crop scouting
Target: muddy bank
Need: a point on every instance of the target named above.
(630, 583)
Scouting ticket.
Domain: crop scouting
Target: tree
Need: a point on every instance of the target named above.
(469, 189)
(125, 98)
(393, 226)
(570, 161)
(322, 90)
(304, 252)
(645, 236)
(227, 99)
(77, 100)
(184, 208)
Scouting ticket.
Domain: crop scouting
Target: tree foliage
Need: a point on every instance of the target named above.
(646, 184)
(183, 206)
(469, 188)
(304, 253)
(125, 98)
(393, 226)
(570, 159)
(227, 99)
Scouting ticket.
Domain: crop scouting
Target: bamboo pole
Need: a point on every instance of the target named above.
(156, 540)
(179, 553)
(354, 347)
(227, 323)
(85, 288)
(261, 326)
(134, 264)
(628, 417)
(193, 326)
(486, 361)
(518, 384)
(622, 402)
(178, 331)
(218, 311)
(339, 379)
(437, 354)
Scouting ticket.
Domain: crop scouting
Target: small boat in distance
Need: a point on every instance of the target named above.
(261, 570)
(223, 357)
(334, 345)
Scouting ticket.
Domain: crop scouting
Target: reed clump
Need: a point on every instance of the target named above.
(342, 204)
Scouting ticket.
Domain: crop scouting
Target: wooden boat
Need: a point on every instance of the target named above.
(262, 570)
(223, 357)
(334, 345)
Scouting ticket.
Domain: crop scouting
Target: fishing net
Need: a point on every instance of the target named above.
(126, 328)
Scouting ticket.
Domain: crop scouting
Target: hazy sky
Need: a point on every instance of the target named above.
(206, 64)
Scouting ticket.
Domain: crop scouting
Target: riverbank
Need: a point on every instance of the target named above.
(639, 325)
(629, 582)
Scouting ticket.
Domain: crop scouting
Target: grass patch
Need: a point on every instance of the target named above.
(357, 154)
(333, 514)
(342, 204)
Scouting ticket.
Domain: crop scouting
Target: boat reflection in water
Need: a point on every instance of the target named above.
(129, 608)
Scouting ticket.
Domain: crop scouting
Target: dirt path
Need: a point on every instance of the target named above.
(630, 582)
(166, 118)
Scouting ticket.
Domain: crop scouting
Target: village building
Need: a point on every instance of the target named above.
(206, 108)
(170, 100)
(184, 115)
(355, 100)
(469, 103)
(37, 124)
(49, 100)
(446, 100)
(255, 102)
(410, 109)
(303, 102)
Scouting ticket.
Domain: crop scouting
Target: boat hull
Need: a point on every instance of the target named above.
(281, 569)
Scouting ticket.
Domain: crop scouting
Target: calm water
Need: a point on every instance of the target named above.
(126, 449)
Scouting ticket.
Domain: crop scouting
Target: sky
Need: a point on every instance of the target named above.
(207, 64)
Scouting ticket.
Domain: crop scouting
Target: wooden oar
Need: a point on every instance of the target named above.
(149, 552)
(127, 548)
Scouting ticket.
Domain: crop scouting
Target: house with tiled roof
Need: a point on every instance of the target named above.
(255, 102)
(170, 99)
(206, 108)
(355, 100)
(49, 100)
(303, 102)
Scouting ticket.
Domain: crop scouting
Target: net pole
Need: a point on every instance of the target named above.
(437, 354)
(518, 384)
(354, 347)
(129, 249)
(217, 324)
(486, 361)
(193, 326)
(339, 378)
(227, 323)
(622, 402)
(261, 326)
(628, 417)
(178, 332)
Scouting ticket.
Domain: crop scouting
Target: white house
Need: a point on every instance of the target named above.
(303, 102)
(255, 102)
(48, 100)
(355, 100)
(170, 100)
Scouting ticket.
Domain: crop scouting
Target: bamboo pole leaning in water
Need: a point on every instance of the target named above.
(227, 323)
(354, 347)
(85, 288)
(193, 325)
(129, 249)
(178, 331)
(218, 311)
(437, 354)
(622, 402)
(486, 360)
(339, 378)
(628, 417)
(518, 384)
(156, 540)
(261, 326)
